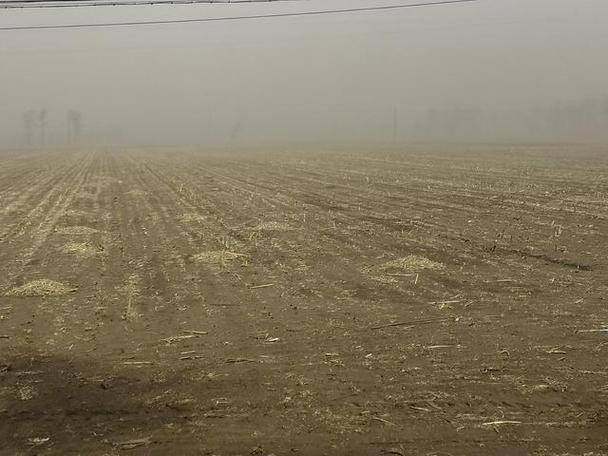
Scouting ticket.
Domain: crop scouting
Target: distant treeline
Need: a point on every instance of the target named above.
(579, 120)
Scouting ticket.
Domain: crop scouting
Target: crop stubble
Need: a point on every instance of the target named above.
(348, 301)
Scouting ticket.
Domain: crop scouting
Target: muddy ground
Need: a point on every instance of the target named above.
(420, 300)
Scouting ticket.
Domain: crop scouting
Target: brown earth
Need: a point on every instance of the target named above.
(162, 302)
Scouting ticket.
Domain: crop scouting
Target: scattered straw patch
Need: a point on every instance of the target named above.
(192, 217)
(76, 230)
(392, 272)
(137, 192)
(410, 263)
(217, 257)
(273, 226)
(40, 287)
(76, 213)
(388, 280)
(132, 292)
(80, 249)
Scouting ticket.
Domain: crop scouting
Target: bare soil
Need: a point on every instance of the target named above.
(443, 300)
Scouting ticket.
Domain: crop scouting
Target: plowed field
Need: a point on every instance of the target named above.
(348, 301)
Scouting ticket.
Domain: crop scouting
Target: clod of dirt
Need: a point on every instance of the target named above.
(40, 287)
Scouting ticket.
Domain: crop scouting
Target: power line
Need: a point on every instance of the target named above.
(236, 18)
(26, 4)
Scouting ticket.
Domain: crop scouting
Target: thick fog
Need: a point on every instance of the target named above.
(495, 70)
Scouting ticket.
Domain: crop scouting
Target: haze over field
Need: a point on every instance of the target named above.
(488, 71)
(348, 234)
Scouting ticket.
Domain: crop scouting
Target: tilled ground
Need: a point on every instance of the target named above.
(422, 300)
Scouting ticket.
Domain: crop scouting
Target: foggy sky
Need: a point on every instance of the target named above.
(492, 70)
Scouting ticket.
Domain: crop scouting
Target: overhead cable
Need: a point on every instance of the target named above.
(233, 18)
(26, 4)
